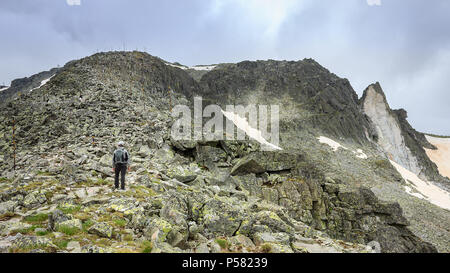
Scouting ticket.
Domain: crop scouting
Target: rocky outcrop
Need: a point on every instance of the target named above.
(350, 214)
(312, 98)
(395, 135)
(388, 128)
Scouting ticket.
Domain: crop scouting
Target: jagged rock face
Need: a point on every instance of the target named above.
(388, 129)
(310, 98)
(395, 135)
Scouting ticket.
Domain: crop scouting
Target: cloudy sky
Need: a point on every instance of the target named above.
(403, 44)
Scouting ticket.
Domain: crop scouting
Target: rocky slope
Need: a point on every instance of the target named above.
(198, 196)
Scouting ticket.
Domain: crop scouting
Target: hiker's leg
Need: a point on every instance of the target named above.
(122, 178)
(116, 178)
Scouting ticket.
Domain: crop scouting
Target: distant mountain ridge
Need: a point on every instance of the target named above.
(24, 85)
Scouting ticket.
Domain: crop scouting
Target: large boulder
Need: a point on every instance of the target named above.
(34, 199)
(70, 224)
(101, 230)
(209, 155)
(221, 217)
(55, 218)
(161, 232)
(9, 227)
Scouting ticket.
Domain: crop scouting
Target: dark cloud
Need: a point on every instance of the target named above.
(404, 44)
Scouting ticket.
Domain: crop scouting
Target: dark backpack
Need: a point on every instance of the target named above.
(120, 156)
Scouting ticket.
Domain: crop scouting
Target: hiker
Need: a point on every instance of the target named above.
(120, 164)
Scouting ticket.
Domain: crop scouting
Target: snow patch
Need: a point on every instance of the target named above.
(426, 190)
(203, 67)
(360, 154)
(243, 124)
(177, 66)
(42, 83)
(333, 144)
(416, 194)
(195, 67)
(4, 88)
(441, 156)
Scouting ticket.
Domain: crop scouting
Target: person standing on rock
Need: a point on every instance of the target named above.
(120, 164)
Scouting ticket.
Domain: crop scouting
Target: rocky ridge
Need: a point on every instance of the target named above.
(25, 85)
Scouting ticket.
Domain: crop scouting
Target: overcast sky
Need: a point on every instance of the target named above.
(403, 44)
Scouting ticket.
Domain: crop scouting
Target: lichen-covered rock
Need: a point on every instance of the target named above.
(95, 249)
(102, 230)
(8, 227)
(159, 231)
(202, 248)
(219, 216)
(241, 240)
(11, 193)
(273, 221)
(71, 224)
(184, 173)
(162, 247)
(34, 200)
(55, 218)
(183, 145)
(144, 151)
(127, 206)
(8, 207)
(138, 221)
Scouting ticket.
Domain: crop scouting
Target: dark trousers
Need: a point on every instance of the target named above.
(122, 170)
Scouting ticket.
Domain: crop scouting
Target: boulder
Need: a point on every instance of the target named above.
(221, 217)
(9, 227)
(55, 218)
(74, 247)
(8, 207)
(71, 224)
(101, 230)
(266, 237)
(34, 200)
